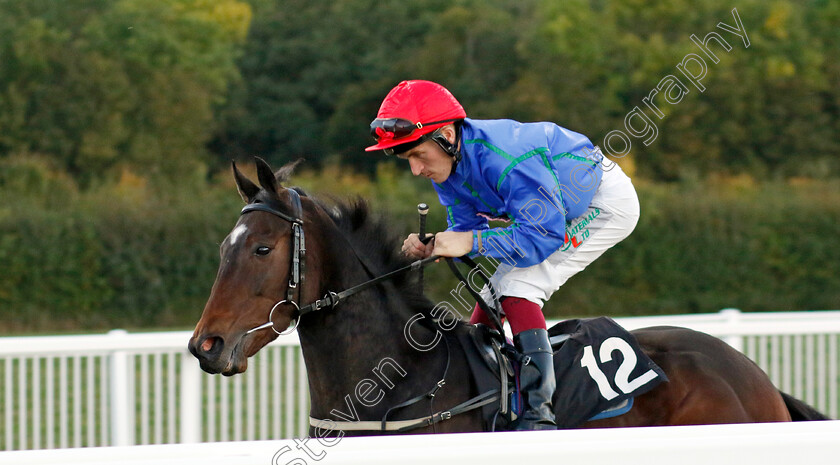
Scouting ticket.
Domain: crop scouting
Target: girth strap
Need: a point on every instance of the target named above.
(406, 425)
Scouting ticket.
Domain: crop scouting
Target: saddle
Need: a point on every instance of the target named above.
(599, 366)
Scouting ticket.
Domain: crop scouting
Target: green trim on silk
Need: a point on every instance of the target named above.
(492, 147)
(450, 216)
(548, 166)
(496, 232)
(475, 194)
(574, 157)
(540, 151)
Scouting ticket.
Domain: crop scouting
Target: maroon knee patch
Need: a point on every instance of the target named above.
(478, 316)
(522, 314)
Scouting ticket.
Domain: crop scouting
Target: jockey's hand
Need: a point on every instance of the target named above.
(413, 248)
(453, 243)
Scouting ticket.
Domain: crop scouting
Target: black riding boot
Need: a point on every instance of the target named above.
(536, 380)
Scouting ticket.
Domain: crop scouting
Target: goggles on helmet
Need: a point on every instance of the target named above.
(397, 128)
(402, 148)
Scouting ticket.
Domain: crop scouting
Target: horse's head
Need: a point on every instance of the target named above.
(257, 275)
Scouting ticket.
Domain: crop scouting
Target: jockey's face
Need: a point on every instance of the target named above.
(429, 160)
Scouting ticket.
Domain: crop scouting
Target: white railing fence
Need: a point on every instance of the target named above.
(798, 350)
(123, 389)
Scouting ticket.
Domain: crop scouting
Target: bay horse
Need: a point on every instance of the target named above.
(289, 254)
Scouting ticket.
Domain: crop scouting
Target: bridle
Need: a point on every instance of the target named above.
(297, 262)
(331, 299)
(296, 272)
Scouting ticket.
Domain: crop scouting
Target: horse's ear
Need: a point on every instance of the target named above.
(285, 172)
(247, 189)
(265, 175)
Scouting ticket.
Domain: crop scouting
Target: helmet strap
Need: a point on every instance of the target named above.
(448, 147)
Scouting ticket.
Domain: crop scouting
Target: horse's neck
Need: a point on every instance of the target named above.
(359, 349)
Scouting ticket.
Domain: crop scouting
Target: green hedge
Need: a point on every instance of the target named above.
(704, 247)
(139, 255)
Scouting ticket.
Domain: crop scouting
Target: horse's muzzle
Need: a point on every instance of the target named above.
(215, 356)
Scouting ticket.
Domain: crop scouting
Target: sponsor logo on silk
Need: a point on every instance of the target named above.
(576, 233)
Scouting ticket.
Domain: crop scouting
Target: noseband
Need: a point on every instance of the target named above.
(331, 299)
(298, 258)
(296, 274)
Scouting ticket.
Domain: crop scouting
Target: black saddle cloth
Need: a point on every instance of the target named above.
(598, 364)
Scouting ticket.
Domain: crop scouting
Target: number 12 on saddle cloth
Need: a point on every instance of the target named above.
(599, 366)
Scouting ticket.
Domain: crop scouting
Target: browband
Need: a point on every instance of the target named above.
(264, 207)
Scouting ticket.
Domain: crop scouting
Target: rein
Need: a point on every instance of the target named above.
(331, 299)
(296, 274)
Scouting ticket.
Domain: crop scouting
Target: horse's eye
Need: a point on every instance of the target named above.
(262, 250)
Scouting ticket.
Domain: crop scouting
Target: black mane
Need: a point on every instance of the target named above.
(370, 236)
(373, 239)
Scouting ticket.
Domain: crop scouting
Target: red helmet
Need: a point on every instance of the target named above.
(412, 110)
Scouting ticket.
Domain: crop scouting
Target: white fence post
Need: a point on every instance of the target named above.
(190, 400)
(121, 406)
(733, 320)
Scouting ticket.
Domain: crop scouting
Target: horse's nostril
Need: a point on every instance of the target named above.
(211, 344)
(207, 344)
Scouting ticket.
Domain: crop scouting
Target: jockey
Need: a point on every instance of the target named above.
(563, 204)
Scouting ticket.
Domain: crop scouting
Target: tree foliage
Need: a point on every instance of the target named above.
(101, 86)
(115, 117)
(316, 71)
(167, 87)
(129, 255)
